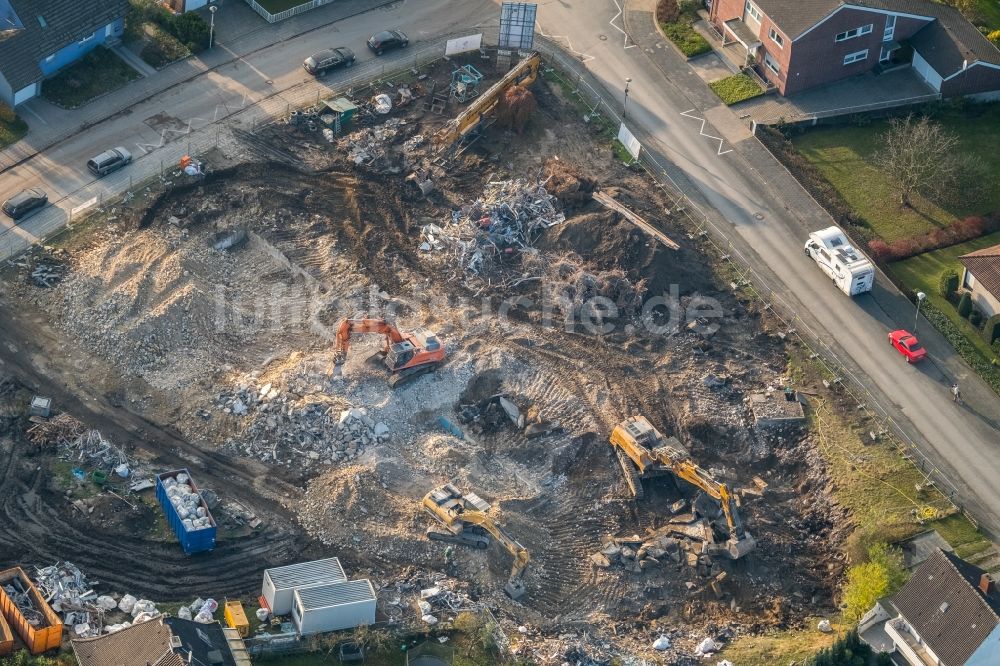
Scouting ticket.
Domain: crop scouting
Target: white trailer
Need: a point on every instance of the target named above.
(332, 607)
(850, 270)
(281, 582)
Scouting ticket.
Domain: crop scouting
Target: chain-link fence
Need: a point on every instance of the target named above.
(748, 279)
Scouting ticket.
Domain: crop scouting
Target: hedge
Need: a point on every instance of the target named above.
(965, 305)
(991, 331)
(989, 373)
(957, 232)
(686, 38)
(948, 284)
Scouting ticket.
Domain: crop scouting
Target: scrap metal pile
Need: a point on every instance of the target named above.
(68, 592)
(508, 217)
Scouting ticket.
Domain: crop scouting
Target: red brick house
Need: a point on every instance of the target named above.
(799, 44)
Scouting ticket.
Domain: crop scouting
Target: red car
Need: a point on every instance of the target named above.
(907, 345)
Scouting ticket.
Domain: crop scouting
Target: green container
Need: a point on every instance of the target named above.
(100, 478)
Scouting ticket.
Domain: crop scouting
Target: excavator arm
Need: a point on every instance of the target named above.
(349, 327)
(740, 543)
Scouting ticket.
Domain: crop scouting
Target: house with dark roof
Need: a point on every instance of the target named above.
(801, 44)
(981, 277)
(40, 37)
(947, 614)
(164, 641)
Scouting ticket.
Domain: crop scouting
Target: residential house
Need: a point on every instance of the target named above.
(801, 44)
(40, 37)
(981, 276)
(947, 614)
(164, 642)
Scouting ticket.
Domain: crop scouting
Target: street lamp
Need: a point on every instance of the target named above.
(920, 299)
(625, 105)
(211, 26)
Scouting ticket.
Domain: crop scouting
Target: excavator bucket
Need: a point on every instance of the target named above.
(514, 589)
(737, 548)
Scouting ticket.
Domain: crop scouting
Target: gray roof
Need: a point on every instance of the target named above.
(306, 573)
(945, 43)
(954, 633)
(335, 594)
(65, 22)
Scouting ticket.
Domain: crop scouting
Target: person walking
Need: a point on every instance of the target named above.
(956, 394)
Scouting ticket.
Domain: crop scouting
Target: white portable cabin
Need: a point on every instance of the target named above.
(343, 605)
(849, 269)
(281, 582)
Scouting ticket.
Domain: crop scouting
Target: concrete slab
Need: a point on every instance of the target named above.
(918, 548)
(710, 67)
(729, 126)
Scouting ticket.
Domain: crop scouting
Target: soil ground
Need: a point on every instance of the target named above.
(151, 332)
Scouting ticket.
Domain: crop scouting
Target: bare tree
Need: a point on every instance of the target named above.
(919, 155)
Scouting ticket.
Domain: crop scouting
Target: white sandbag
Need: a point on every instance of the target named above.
(184, 613)
(106, 602)
(182, 478)
(825, 626)
(429, 619)
(127, 603)
(145, 617)
(262, 614)
(143, 606)
(210, 606)
(204, 618)
(662, 643)
(196, 605)
(707, 646)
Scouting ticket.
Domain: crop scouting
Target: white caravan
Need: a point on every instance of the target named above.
(850, 270)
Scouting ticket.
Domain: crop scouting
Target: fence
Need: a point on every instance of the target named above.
(749, 279)
(288, 13)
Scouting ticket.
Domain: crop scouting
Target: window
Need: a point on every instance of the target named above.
(776, 38)
(753, 11)
(857, 32)
(857, 56)
(771, 63)
(890, 28)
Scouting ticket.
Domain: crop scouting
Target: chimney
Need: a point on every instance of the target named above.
(986, 585)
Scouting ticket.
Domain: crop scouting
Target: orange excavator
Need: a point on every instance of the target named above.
(407, 355)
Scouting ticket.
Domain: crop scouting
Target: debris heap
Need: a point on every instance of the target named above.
(187, 502)
(282, 427)
(573, 285)
(509, 216)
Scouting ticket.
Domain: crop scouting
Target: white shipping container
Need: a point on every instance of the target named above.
(332, 607)
(281, 582)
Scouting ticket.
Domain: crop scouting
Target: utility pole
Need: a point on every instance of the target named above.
(211, 26)
(625, 105)
(920, 299)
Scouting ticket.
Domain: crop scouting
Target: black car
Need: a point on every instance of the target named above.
(24, 203)
(322, 62)
(387, 40)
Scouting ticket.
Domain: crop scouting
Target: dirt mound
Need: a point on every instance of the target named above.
(603, 238)
(568, 184)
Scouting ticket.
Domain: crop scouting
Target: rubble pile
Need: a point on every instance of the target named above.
(367, 145)
(509, 216)
(60, 430)
(282, 425)
(573, 285)
(188, 503)
(64, 587)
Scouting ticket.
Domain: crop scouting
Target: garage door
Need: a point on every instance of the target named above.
(926, 72)
(25, 94)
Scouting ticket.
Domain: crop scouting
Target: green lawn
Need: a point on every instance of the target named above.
(12, 127)
(99, 72)
(736, 88)
(685, 37)
(843, 155)
(922, 272)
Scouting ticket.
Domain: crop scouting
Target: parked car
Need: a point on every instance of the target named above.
(320, 63)
(108, 161)
(907, 344)
(387, 40)
(24, 203)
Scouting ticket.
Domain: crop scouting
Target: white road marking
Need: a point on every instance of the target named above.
(701, 130)
(225, 109)
(619, 29)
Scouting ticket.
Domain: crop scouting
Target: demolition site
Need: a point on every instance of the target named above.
(438, 332)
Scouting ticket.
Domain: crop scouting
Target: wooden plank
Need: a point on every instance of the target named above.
(635, 219)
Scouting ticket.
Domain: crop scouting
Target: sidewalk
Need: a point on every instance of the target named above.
(239, 31)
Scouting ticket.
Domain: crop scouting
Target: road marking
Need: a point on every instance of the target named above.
(701, 130)
(621, 30)
(226, 109)
(583, 56)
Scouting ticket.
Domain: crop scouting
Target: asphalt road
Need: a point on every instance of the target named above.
(765, 221)
(770, 225)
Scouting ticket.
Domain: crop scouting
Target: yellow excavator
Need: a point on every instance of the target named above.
(467, 521)
(643, 452)
(524, 73)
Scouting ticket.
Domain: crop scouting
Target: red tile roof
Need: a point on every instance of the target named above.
(985, 267)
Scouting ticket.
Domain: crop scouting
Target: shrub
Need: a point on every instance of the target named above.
(991, 331)
(881, 575)
(975, 317)
(958, 231)
(192, 30)
(949, 329)
(948, 284)
(738, 88)
(667, 11)
(686, 38)
(965, 305)
(994, 37)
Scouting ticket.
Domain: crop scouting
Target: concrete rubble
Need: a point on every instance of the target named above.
(368, 144)
(508, 217)
(281, 425)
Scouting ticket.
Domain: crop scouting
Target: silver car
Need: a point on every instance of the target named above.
(108, 161)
